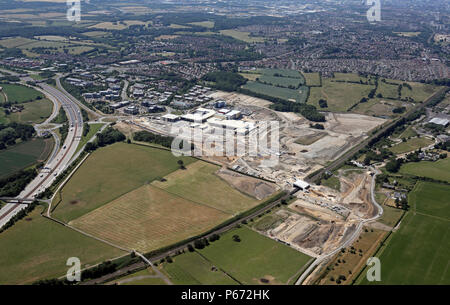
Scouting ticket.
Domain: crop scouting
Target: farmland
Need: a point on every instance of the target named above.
(276, 81)
(19, 93)
(379, 107)
(422, 243)
(94, 128)
(23, 155)
(439, 170)
(149, 218)
(299, 95)
(192, 269)
(255, 259)
(34, 112)
(199, 181)
(111, 172)
(243, 36)
(339, 96)
(312, 79)
(36, 248)
(410, 145)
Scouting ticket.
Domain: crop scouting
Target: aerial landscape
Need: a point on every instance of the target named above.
(204, 142)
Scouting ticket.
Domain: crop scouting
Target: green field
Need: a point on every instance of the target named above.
(410, 145)
(439, 170)
(192, 269)
(379, 107)
(35, 112)
(312, 79)
(390, 215)
(23, 155)
(332, 182)
(199, 181)
(36, 248)
(298, 95)
(282, 72)
(431, 199)
(285, 82)
(255, 257)
(109, 173)
(349, 77)
(419, 92)
(205, 24)
(94, 128)
(19, 93)
(387, 90)
(339, 96)
(243, 36)
(418, 252)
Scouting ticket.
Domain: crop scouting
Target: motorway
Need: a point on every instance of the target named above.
(59, 162)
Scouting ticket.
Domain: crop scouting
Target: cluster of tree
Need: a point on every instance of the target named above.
(107, 137)
(441, 82)
(12, 186)
(443, 145)
(317, 126)
(435, 128)
(86, 129)
(226, 81)
(399, 110)
(20, 215)
(394, 165)
(145, 136)
(308, 111)
(323, 103)
(61, 118)
(378, 157)
(203, 242)
(9, 133)
(99, 270)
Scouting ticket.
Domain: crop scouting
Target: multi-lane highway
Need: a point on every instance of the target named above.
(58, 163)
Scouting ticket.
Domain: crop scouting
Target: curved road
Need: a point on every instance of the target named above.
(56, 164)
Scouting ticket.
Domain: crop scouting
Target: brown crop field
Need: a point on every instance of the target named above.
(149, 218)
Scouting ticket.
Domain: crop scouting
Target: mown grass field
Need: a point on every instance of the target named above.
(439, 170)
(149, 218)
(243, 36)
(411, 145)
(198, 182)
(36, 248)
(419, 92)
(283, 73)
(255, 257)
(390, 215)
(19, 93)
(23, 155)
(339, 96)
(387, 90)
(349, 77)
(298, 95)
(94, 128)
(111, 172)
(418, 252)
(192, 269)
(312, 79)
(285, 82)
(379, 107)
(35, 112)
(206, 24)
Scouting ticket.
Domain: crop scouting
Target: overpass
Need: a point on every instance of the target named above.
(17, 200)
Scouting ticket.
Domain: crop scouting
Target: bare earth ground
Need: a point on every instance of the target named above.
(257, 188)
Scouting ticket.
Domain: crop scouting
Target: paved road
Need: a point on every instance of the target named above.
(54, 165)
(351, 239)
